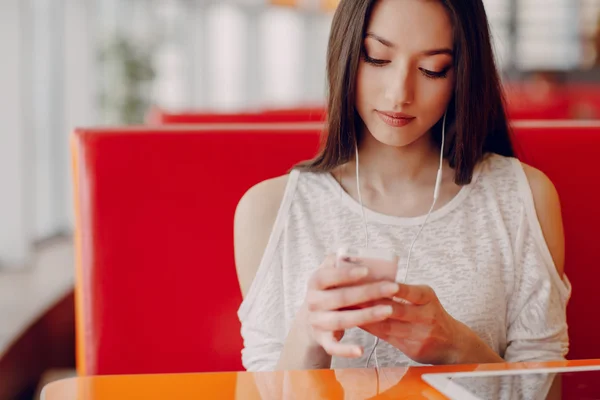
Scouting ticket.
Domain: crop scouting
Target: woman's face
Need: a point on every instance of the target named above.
(405, 79)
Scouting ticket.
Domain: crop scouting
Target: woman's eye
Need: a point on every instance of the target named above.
(435, 74)
(375, 61)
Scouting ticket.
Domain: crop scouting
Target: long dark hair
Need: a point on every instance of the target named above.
(476, 121)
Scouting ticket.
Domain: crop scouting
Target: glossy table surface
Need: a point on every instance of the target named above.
(386, 383)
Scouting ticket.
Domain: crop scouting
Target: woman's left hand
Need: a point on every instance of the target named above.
(425, 332)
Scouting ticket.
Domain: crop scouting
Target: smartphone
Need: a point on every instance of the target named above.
(382, 264)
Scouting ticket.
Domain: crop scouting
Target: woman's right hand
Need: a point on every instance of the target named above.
(331, 305)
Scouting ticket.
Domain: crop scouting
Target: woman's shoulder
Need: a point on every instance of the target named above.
(511, 168)
(547, 209)
(264, 194)
(254, 219)
(515, 180)
(260, 204)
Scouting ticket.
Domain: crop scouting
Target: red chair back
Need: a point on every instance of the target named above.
(156, 289)
(315, 114)
(156, 285)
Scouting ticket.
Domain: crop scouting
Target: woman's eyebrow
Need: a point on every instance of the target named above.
(387, 43)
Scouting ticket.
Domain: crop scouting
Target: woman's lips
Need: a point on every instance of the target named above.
(395, 119)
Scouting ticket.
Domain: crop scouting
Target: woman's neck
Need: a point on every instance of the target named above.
(386, 168)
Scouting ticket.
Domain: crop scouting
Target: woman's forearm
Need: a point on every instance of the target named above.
(475, 351)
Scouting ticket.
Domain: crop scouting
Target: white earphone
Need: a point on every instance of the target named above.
(436, 192)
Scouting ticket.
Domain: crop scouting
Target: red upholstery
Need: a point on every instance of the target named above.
(528, 101)
(156, 283)
(311, 112)
(571, 101)
(584, 100)
(157, 289)
(316, 114)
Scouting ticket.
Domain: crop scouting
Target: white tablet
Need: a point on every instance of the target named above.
(576, 383)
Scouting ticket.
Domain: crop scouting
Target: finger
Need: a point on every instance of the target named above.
(329, 261)
(337, 349)
(406, 312)
(341, 320)
(331, 277)
(416, 294)
(349, 261)
(390, 328)
(336, 299)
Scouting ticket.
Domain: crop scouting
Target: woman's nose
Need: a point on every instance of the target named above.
(399, 90)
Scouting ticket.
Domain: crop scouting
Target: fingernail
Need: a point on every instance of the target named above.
(384, 311)
(391, 288)
(359, 272)
(357, 352)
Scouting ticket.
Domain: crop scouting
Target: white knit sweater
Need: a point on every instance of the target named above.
(483, 253)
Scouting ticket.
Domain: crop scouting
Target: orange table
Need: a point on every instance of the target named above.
(397, 383)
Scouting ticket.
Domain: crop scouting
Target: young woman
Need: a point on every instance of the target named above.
(413, 90)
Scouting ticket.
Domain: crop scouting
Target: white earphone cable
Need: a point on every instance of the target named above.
(362, 209)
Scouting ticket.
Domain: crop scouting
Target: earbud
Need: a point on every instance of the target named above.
(438, 180)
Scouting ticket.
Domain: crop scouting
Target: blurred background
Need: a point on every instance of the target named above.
(68, 63)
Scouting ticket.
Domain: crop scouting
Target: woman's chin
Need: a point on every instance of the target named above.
(395, 138)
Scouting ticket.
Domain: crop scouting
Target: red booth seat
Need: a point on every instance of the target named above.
(156, 283)
(568, 101)
(306, 114)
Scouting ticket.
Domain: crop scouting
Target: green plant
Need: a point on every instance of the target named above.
(129, 74)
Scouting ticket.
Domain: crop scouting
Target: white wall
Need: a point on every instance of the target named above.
(79, 93)
(47, 72)
(316, 36)
(47, 87)
(15, 201)
(283, 41)
(62, 86)
(548, 36)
